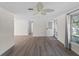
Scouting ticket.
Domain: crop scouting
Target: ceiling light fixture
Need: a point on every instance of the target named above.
(40, 9)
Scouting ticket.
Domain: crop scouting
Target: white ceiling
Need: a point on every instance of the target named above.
(21, 7)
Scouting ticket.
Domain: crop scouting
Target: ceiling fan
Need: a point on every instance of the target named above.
(40, 9)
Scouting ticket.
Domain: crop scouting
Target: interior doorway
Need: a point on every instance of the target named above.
(52, 28)
(30, 29)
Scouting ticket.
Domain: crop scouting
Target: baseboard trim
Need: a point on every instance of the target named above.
(66, 49)
(8, 51)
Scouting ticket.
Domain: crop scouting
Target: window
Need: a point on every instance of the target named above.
(75, 29)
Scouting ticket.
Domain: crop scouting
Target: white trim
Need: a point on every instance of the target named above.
(2, 52)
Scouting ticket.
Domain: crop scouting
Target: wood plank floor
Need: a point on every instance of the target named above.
(39, 46)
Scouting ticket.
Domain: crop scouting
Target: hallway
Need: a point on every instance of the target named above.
(39, 46)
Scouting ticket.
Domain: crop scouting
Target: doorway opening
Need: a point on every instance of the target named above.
(30, 29)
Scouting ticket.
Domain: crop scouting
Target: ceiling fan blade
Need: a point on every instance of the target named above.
(39, 6)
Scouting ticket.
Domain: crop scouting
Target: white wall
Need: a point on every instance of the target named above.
(61, 28)
(40, 25)
(20, 25)
(6, 30)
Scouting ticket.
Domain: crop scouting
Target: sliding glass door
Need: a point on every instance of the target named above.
(72, 31)
(75, 29)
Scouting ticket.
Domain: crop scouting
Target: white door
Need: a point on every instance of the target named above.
(50, 26)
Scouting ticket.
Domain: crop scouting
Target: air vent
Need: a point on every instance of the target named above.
(30, 8)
